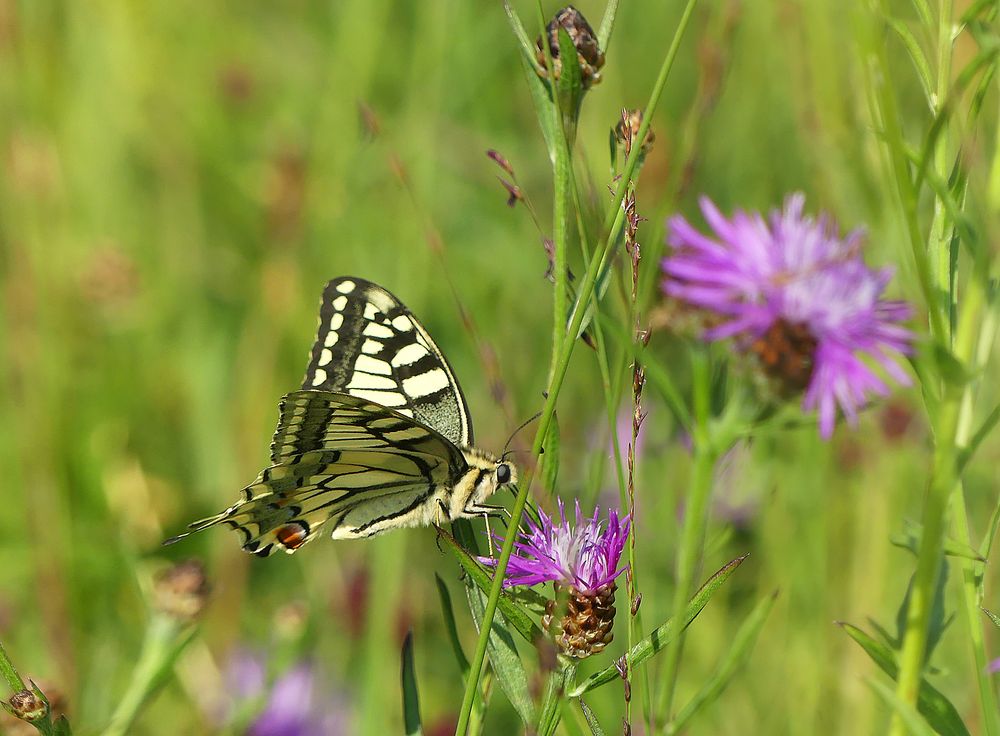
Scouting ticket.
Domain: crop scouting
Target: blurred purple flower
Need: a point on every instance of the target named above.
(993, 667)
(795, 292)
(295, 704)
(584, 556)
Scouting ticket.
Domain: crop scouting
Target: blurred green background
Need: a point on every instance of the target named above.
(179, 179)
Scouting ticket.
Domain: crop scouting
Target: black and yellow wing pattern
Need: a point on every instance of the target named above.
(379, 437)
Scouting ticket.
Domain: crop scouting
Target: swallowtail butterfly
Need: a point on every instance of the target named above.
(378, 438)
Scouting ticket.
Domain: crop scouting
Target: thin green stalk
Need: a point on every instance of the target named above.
(561, 172)
(943, 480)
(165, 640)
(879, 80)
(940, 241)
(614, 221)
(695, 520)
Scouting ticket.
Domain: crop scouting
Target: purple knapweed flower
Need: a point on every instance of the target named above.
(584, 556)
(794, 292)
(295, 704)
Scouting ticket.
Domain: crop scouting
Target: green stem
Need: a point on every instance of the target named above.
(943, 481)
(887, 117)
(165, 639)
(613, 224)
(551, 711)
(695, 520)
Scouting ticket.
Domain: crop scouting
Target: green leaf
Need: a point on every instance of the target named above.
(550, 712)
(517, 616)
(663, 635)
(917, 56)
(595, 727)
(915, 724)
(949, 367)
(527, 47)
(545, 110)
(450, 626)
(569, 86)
(411, 701)
(993, 617)
(924, 11)
(966, 453)
(503, 657)
(912, 533)
(935, 707)
(549, 460)
(735, 658)
(501, 649)
(607, 24)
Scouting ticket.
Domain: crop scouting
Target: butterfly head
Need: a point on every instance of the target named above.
(486, 473)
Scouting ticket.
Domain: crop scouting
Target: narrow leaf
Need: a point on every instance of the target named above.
(917, 56)
(993, 617)
(595, 727)
(915, 723)
(527, 48)
(663, 635)
(607, 24)
(735, 658)
(449, 623)
(913, 531)
(550, 459)
(500, 645)
(411, 701)
(516, 615)
(935, 707)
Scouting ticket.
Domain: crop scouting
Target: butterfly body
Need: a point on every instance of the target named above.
(378, 438)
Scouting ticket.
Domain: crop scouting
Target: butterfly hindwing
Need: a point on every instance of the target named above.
(342, 462)
(371, 346)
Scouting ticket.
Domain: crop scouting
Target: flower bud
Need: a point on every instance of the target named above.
(181, 591)
(588, 51)
(28, 705)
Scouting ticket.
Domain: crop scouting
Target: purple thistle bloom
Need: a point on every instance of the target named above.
(584, 556)
(294, 705)
(794, 291)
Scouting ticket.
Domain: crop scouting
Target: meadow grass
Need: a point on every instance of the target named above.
(179, 181)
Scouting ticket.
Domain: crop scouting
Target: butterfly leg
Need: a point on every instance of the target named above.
(489, 533)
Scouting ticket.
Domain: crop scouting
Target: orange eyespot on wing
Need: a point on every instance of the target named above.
(293, 535)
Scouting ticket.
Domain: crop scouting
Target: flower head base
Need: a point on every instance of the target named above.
(799, 297)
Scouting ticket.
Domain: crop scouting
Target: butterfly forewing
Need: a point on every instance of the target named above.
(378, 438)
(369, 345)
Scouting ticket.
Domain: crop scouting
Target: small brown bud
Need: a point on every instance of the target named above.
(181, 591)
(500, 160)
(636, 602)
(28, 705)
(627, 130)
(588, 51)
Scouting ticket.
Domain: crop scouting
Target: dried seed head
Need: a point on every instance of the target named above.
(588, 51)
(28, 705)
(581, 623)
(627, 130)
(181, 591)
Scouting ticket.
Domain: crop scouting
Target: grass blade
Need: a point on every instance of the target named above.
(411, 701)
(735, 658)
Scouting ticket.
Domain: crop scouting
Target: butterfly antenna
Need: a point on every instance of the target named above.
(513, 434)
